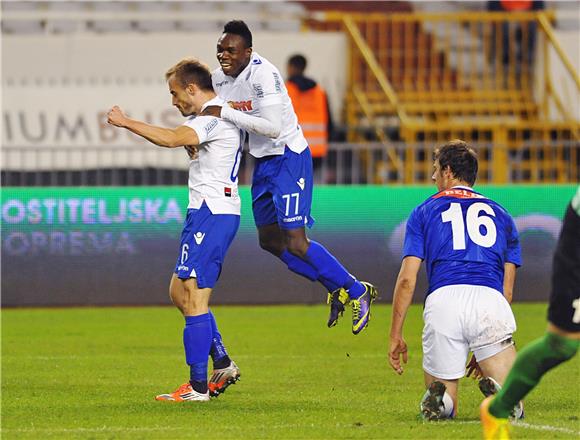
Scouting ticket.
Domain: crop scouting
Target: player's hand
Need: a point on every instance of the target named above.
(473, 368)
(191, 151)
(116, 117)
(398, 347)
(212, 110)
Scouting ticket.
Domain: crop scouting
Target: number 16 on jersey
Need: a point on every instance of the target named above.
(474, 220)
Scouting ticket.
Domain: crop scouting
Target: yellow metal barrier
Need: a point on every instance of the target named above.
(467, 75)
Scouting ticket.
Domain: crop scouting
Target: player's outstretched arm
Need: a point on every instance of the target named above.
(164, 137)
(268, 124)
(402, 297)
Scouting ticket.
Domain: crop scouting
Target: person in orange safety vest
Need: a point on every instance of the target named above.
(311, 105)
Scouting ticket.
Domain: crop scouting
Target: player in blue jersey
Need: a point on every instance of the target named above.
(213, 218)
(471, 250)
(282, 181)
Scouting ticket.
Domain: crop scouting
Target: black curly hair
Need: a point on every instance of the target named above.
(238, 27)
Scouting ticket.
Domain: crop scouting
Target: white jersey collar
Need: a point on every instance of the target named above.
(214, 101)
(254, 59)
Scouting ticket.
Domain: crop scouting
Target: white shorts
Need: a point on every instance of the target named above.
(461, 318)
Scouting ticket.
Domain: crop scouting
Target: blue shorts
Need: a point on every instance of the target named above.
(205, 239)
(282, 190)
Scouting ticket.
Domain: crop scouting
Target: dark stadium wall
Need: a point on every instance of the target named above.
(114, 246)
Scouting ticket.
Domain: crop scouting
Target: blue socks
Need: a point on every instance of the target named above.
(217, 350)
(301, 267)
(197, 340)
(329, 268)
(320, 265)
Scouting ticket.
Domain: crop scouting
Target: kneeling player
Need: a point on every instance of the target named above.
(471, 250)
(562, 338)
(213, 218)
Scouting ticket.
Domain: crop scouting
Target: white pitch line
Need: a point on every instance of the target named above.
(523, 425)
(546, 428)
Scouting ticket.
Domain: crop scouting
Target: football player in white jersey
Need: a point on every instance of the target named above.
(213, 218)
(282, 181)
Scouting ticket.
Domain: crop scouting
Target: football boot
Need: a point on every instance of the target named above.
(494, 428)
(223, 378)
(184, 393)
(488, 387)
(337, 300)
(432, 404)
(361, 308)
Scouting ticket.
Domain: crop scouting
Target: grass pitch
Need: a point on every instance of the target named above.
(92, 373)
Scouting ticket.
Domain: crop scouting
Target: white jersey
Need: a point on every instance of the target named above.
(213, 174)
(260, 84)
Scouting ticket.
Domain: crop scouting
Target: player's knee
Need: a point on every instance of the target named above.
(271, 245)
(297, 245)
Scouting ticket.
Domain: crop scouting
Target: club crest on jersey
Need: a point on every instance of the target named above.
(199, 236)
(301, 183)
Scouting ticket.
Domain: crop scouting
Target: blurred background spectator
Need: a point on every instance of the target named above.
(518, 39)
(311, 105)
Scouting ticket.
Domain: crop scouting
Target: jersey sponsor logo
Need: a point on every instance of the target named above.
(210, 126)
(277, 84)
(227, 191)
(301, 183)
(292, 219)
(258, 90)
(221, 83)
(199, 236)
(182, 267)
(458, 194)
(256, 61)
(243, 106)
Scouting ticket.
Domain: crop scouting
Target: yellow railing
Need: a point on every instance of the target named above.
(467, 75)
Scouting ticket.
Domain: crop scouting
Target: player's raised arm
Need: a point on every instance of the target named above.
(402, 297)
(163, 137)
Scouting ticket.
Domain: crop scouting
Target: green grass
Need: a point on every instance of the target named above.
(91, 373)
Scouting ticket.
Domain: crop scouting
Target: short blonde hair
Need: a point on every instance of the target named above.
(191, 71)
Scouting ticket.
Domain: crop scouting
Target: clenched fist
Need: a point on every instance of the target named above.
(116, 117)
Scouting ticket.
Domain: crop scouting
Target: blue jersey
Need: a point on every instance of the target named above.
(464, 238)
